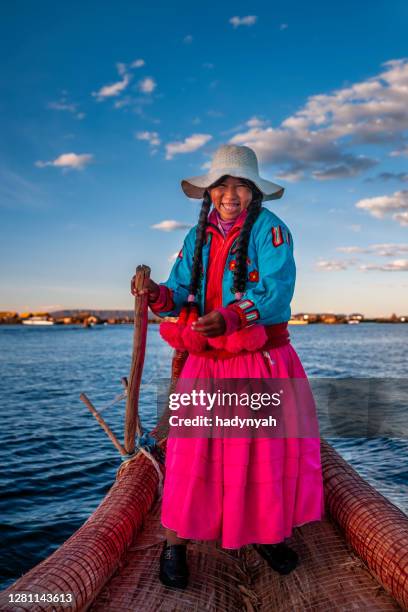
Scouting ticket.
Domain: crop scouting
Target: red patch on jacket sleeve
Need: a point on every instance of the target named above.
(277, 236)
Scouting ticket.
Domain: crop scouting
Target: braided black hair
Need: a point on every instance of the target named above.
(198, 248)
(240, 272)
(241, 269)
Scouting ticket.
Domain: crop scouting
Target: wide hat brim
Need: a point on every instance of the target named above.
(195, 186)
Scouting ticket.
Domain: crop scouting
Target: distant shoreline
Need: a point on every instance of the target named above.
(91, 318)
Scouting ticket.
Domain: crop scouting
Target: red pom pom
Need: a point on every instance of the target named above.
(218, 342)
(249, 338)
(172, 334)
(193, 341)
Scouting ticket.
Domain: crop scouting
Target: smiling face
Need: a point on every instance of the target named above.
(230, 197)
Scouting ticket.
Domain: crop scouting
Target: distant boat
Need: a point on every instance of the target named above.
(353, 321)
(38, 321)
(298, 322)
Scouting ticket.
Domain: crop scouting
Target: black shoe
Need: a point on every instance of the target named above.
(173, 566)
(280, 557)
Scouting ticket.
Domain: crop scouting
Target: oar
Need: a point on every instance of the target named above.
(132, 424)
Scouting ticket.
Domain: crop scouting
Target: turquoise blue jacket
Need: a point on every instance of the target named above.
(272, 269)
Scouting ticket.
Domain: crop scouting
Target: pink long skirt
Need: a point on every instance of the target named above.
(242, 490)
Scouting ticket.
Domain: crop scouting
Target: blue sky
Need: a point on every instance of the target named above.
(105, 107)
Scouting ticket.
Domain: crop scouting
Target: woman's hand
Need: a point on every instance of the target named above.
(211, 325)
(150, 287)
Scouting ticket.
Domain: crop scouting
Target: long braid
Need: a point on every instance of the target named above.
(198, 248)
(241, 271)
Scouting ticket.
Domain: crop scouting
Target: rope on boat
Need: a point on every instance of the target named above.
(147, 445)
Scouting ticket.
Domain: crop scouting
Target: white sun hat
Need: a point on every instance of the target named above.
(231, 160)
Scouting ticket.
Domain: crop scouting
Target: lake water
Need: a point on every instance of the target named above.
(56, 462)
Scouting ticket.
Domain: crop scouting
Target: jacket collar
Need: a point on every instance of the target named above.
(213, 222)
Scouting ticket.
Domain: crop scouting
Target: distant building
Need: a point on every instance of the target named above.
(328, 318)
(8, 316)
(311, 317)
(92, 320)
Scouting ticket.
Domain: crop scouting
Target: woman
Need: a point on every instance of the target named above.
(232, 285)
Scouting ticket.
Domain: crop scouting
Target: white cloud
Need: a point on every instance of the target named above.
(332, 265)
(62, 106)
(65, 106)
(355, 227)
(255, 122)
(399, 265)
(169, 225)
(147, 85)
(402, 218)
(248, 20)
(352, 249)
(389, 249)
(399, 152)
(68, 160)
(112, 90)
(125, 101)
(188, 145)
(316, 140)
(121, 68)
(137, 63)
(394, 205)
(152, 138)
(383, 249)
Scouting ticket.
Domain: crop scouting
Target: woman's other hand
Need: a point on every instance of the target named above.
(150, 287)
(211, 325)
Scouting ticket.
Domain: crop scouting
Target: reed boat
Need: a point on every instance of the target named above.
(355, 559)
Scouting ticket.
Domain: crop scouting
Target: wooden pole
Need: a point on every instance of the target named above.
(102, 423)
(139, 347)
